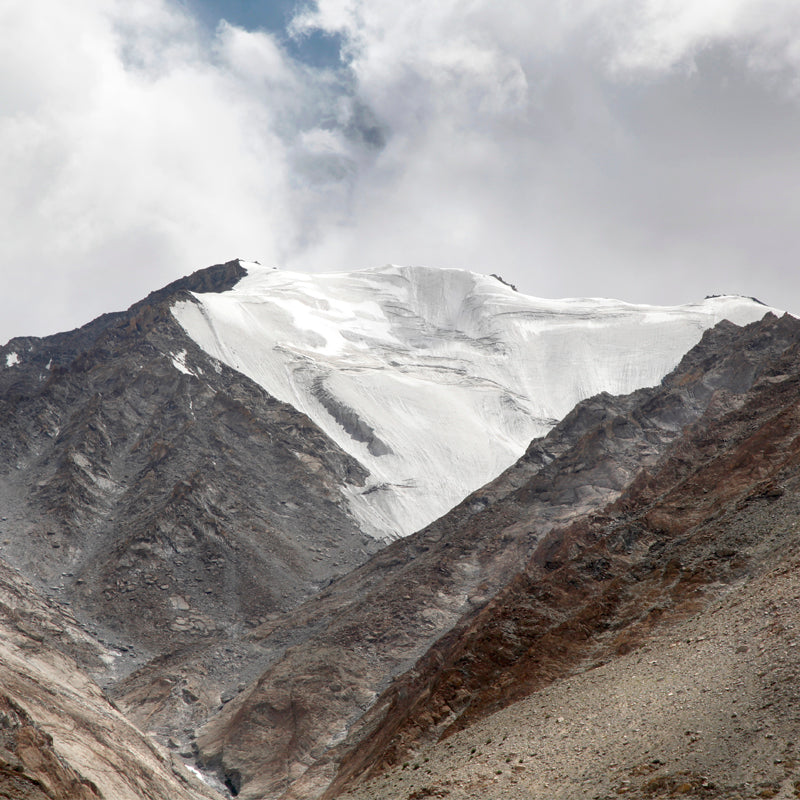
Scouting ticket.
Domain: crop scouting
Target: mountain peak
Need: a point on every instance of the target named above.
(411, 369)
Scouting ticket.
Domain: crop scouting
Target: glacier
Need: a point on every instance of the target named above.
(436, 380)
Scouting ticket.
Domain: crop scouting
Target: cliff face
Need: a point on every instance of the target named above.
(314, 714)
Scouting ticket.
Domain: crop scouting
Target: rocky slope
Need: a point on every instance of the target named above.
(291, 731)
(705, 707)
(651, 647)
(169, 500)
(60, 738)
(127, 453)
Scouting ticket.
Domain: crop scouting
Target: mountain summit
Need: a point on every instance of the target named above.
(436, 380)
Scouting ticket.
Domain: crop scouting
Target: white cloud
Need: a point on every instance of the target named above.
(640, 148)
(634, 147)
(131, 153)
(662, 34)
(255, 58)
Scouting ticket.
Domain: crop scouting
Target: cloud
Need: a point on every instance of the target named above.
(133, 150)
(661, 34)
(638, 148)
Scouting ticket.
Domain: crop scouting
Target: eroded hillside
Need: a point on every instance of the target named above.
(648, 650)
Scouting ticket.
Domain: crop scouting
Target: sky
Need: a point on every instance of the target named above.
(646, 150)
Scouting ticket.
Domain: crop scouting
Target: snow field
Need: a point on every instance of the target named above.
(436, 379)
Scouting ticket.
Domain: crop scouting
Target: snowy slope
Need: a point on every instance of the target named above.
(436, 379)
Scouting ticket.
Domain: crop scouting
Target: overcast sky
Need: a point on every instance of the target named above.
(647, 150)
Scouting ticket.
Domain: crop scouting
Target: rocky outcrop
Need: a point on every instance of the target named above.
(60, 738)
(304, 719)
(348, 418)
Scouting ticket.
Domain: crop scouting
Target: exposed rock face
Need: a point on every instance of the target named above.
(60, 739)
(125, 462)
(674, 609)
(288, 733)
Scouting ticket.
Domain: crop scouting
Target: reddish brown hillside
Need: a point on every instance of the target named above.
(596, 589)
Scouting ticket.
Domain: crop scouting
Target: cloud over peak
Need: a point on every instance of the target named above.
(643, 148)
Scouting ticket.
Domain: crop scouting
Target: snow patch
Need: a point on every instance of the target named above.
(199, 775)
(12, 359)
(179, 362)
(196, 772)
(436, 380)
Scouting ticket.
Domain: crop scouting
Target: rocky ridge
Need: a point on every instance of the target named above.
(167, 500)
(126, 454)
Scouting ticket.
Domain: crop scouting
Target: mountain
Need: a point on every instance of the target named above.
(197, 494)
(169, 511)
(411, 370)
(323, 713)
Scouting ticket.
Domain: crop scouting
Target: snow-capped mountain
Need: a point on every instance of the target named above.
(436, 379)
(176, 532)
